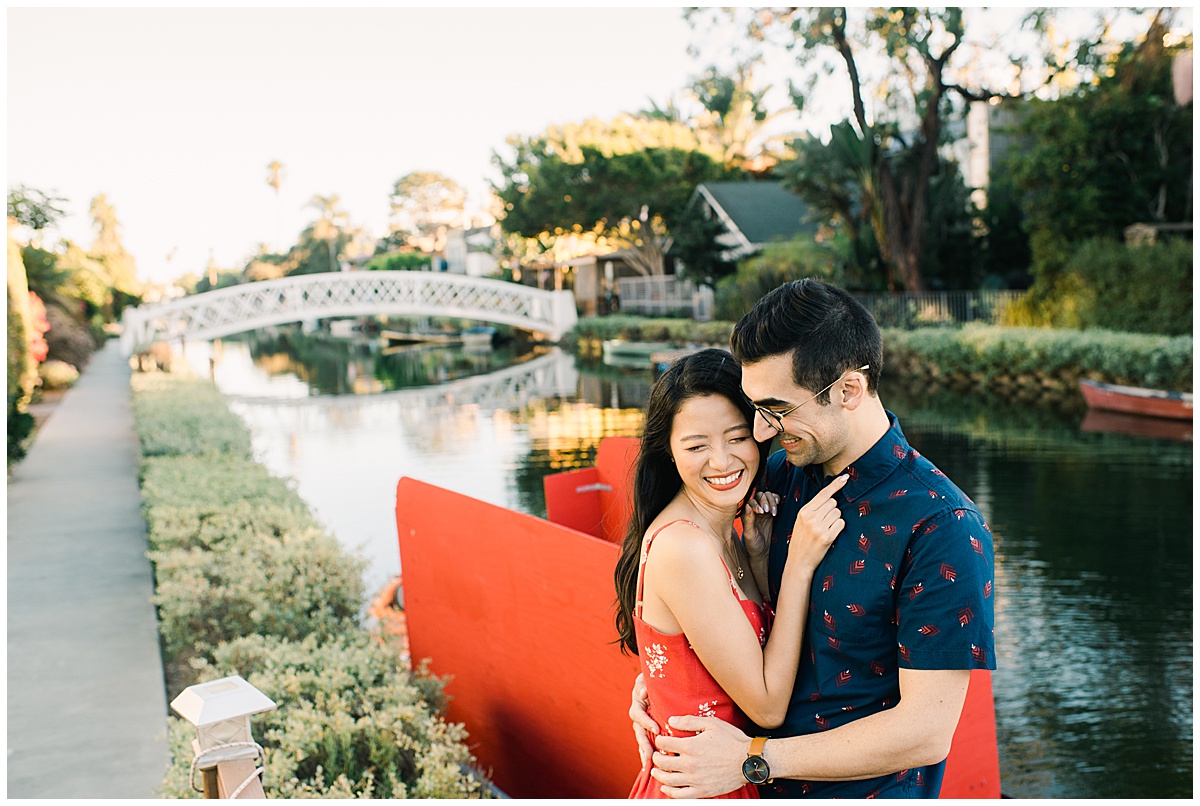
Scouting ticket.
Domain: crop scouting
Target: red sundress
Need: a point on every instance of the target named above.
(677, 682)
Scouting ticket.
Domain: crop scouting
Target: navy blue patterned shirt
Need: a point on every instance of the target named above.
(908, 584)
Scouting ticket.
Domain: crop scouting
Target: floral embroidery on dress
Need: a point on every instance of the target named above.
(656, 659)
(706, 708)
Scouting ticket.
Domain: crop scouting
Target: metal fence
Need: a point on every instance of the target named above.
(670, 296)
(665, 296)
(924, 308)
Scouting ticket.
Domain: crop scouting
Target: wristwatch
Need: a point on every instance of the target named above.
(755, 767)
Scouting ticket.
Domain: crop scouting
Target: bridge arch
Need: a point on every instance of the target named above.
(250, 306)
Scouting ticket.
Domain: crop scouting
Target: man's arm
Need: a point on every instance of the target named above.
(916, 733)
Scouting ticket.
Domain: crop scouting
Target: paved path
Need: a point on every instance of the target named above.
(86, 702)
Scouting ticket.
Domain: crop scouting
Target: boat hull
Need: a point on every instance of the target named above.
(1136, 400)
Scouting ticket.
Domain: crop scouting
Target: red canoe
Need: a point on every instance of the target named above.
(1136, 400)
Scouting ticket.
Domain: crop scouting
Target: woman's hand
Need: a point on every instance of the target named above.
(818, 524)
(757, 519)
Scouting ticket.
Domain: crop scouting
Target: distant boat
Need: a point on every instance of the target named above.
(631, 353)
(396, 337)
(478, 337)
(1136, 400)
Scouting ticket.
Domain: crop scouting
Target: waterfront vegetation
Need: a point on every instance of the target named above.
(1021, 362)
(248, 582)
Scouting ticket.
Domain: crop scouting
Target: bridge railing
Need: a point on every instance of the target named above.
(249, 306)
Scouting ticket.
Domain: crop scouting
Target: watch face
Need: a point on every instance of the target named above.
(756, 770)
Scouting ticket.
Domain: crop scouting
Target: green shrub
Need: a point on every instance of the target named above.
(777, 264)
(1137, 289)
(293, 586)
(638, 328)
(350, 722)
(180, 416)
(68, 339)
(248, 582)
(986, 356)
(399, 261)
(57, 374)
(1105, 284)
(198, 481)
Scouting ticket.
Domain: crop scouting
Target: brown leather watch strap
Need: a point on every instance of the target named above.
(756, 746)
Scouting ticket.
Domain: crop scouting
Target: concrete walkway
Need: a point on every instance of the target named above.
(86, 702)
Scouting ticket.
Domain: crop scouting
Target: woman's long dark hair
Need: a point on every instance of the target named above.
(656, 479)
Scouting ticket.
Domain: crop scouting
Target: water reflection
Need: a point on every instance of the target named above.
(1092, 529)
(1094, 594)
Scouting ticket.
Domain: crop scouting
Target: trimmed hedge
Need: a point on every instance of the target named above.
(248, 582)
(589, 334)
(994, 358)
(984, 357)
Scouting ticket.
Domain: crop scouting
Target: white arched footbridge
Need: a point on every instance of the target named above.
(307, 297)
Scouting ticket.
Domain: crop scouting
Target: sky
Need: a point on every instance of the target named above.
(175, 114)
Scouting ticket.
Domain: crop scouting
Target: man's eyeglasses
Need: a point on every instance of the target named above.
(775, 419)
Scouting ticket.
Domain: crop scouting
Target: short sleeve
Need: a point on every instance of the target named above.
(945, 594)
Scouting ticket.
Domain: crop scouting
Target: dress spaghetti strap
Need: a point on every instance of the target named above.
(637, 608)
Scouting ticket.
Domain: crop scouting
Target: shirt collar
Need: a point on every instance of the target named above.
(873, 466)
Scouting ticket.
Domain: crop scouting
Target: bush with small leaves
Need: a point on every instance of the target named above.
(350, 722)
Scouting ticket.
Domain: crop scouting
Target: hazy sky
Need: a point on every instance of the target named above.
(175, 114)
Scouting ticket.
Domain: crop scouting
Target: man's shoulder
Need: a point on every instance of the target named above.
(943, 493)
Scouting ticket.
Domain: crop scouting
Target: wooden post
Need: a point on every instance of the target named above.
(210, 784)
(231, 774)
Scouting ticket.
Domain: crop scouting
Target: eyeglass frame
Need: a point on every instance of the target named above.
(774, 419)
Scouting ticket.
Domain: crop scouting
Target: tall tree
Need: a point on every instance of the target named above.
(424, 200)
(735, 118)
(275, 181)
(620, 183)
(109, 250)
(929, 69)
(1113, 153)
(34, 209)
(329, 224)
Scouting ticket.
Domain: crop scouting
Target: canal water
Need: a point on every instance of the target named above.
(1093, 529)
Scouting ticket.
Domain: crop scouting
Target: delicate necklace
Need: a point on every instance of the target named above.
(733, 542)
(736, 559)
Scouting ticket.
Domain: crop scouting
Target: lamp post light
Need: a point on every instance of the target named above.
(221, 710)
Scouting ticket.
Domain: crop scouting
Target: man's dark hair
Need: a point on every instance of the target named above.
(824, 328)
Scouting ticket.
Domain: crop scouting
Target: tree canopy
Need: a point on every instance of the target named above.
(627, 182)
(1113, 153)
(424, 200)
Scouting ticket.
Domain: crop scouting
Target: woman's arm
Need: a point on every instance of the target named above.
(689, 580)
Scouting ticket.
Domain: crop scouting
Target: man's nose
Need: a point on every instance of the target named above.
(763, 431)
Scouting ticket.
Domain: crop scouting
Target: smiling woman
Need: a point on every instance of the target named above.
(694, 610)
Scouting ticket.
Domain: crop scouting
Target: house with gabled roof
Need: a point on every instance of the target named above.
(754, 213)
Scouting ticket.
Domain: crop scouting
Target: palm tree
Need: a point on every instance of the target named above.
(274, 180)
(329, 225)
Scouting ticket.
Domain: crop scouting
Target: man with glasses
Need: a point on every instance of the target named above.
(901, 606)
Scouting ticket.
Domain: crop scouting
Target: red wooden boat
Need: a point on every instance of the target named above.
(1136, 400)
(517, 611)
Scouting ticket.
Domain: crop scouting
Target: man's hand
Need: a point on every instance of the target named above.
(705, 765)
(643, 725)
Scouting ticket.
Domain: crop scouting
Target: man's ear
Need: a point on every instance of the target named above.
(853, 390)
